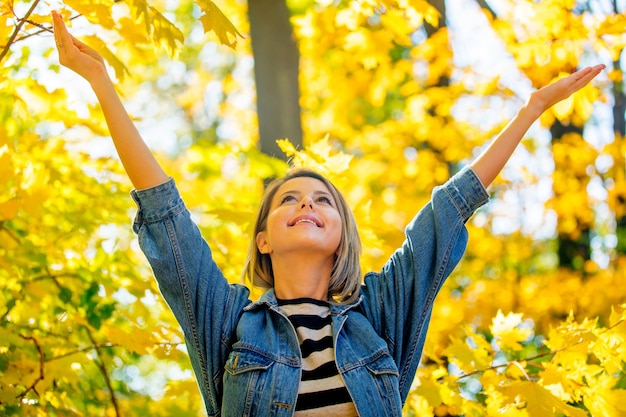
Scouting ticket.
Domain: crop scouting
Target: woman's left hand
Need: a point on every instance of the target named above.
(548, 96)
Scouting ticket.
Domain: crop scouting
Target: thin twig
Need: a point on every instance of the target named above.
(43, 29)
(53, 277)
(532, 358)
(39, 25)
(98, 346)
(17, 30)
(104, 372)
(42, 360)
(506, 364)
(81, 350)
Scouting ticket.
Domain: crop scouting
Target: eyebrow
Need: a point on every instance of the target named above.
(325, 193)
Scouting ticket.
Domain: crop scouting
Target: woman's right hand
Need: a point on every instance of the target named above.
(74, 54)
(141, 166)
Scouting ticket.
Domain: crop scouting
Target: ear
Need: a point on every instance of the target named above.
(263, 244)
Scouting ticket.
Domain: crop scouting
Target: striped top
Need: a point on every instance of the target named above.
(322, 391)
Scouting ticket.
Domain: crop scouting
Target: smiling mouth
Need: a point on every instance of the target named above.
(305, 221)
(308, 220)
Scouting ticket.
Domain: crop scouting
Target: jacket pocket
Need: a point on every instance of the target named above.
(243, 360)
(384, 375)
(246, 376)
(383, 365)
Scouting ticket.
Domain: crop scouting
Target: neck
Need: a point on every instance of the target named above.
(301, 276)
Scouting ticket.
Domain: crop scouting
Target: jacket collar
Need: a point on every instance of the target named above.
(268, 299)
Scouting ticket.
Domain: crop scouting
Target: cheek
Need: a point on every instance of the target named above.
(337, 229)
(273, 218)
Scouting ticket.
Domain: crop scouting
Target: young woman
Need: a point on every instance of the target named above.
(322, 340)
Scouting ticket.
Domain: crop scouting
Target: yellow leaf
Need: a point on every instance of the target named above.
(612, 25)
(603, 400)
(563, 109)
(158, 26)
(287, 147)
(214, 20)
(618, 314)
(120, 69)
(336, 162)
(572, 336)
(98, 12)
(6, 165)
(138, 341)
(539, 401)
(468, 353)
(320, 156)
(8, 209)
(398, 24)
(431, 14)
(429, 389)
(8, 392)
(5, 30)
(5, 9)
(505, 329)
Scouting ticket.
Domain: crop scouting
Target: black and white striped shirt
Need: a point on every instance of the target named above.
(322, 391)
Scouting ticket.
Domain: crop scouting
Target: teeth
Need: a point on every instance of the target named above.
(306, 221)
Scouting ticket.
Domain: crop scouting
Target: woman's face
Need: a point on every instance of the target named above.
(303, 216)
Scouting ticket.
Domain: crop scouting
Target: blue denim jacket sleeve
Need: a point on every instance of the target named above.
(204, 304)
(398, 301)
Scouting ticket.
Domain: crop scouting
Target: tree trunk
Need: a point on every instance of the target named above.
(573, 253)
(440, 5)
(444, 79)
(276, 72)
(619, 128)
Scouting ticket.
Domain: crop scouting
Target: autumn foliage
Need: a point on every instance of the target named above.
(388, 112)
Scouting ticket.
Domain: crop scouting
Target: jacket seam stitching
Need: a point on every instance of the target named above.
(430, 299)
(180, 270)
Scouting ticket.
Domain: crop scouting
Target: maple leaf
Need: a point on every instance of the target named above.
(539, 401)
(213, 19)
(506, 331)
(319, 155)
(121, 70)
(465, 356)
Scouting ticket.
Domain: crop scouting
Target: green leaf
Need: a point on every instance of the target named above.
(65, 295)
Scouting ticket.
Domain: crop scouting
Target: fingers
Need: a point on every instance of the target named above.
(595, 70)
(589, 73)
(580, 79)
(62, 37)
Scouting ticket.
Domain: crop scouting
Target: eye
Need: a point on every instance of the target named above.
(287, 198)
(324, 200)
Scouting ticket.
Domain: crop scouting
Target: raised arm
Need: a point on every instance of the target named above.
(140, 164)
(489, 164)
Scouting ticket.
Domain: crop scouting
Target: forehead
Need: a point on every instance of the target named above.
(304, 185)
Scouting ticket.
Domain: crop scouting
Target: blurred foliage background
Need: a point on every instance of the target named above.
(389, 98)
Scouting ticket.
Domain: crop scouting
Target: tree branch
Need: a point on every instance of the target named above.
(41, 376)
(9, 232)
(532, 358)
(104, 372)
(98, 346)
(42, 27)
(53, 277)
(485, 6)
(81, 350)
(20, 23)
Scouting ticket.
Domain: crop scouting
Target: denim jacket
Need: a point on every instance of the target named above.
(246, 355)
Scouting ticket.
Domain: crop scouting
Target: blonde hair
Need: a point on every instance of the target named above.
(345, 280)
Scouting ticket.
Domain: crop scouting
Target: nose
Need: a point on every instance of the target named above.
(306, 202)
